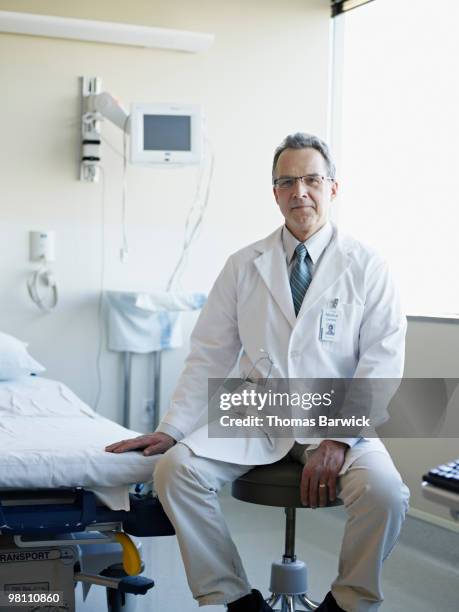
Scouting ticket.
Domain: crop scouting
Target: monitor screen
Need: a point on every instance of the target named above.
(166, 132)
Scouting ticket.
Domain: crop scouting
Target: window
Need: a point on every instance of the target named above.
(395, 132)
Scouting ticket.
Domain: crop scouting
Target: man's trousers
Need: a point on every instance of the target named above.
(373, 494)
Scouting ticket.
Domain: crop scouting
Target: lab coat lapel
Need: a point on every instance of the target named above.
(334, 262)
(272, 266)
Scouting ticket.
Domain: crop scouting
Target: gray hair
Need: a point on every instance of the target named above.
(300, 140)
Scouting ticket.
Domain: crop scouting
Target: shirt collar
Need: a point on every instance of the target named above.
(315, 244)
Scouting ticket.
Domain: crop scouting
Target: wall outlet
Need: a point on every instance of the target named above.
(42, 246)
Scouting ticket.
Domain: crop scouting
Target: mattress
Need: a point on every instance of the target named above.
(50, 438)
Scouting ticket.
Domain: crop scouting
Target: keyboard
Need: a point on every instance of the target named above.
(444, 476)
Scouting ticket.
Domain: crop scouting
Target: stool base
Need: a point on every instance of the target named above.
(288, 585)
(289, 603)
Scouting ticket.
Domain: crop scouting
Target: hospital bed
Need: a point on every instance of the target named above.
(66, 506)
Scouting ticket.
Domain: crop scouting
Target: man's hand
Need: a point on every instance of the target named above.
(318, 480)
(151, 444)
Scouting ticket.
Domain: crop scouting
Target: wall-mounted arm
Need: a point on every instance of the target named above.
(95, 107)
(108, 106)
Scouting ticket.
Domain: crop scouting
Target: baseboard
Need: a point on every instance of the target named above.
(438, 521)
(431, 537)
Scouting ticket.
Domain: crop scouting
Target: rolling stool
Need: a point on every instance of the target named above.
(278, 484)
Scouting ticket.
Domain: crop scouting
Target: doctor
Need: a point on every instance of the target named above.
(272, 295)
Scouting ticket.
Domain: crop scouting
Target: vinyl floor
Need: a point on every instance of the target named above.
(414, 579)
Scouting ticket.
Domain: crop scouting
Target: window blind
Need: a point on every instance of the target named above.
(342, 6)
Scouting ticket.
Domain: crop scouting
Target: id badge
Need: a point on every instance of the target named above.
(330, 324)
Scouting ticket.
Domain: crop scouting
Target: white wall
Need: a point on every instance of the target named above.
(265, 75)
(432, 351)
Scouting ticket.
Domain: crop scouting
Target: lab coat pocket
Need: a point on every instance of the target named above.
(339, 328)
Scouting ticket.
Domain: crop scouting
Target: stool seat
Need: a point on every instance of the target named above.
(275, 484)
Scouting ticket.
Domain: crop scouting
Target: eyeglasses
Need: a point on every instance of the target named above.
(314, 181)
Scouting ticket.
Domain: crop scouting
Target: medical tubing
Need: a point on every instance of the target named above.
(45, 275)
(125, 243)
(100, 301)
(188, 239)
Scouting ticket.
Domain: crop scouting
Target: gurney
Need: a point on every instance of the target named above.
(66, 516)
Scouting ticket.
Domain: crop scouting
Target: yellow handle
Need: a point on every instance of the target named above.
(132, 563)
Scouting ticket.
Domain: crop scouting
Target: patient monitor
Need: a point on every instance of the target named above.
(160, 133)
(165, 133)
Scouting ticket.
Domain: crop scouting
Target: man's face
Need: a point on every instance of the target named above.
(304, 204)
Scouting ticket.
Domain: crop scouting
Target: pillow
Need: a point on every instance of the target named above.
(15, 361)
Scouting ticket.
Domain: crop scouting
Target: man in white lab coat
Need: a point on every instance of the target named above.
(272, 295)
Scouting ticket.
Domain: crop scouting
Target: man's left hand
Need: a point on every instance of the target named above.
(318, 480)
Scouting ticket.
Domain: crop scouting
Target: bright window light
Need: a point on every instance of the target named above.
(397, 130)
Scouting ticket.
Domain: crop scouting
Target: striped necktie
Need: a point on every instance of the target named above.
(300, 278)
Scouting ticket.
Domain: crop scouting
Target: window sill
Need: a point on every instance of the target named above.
(439, 318)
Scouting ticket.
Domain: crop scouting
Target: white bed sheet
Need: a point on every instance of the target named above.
(50, 438)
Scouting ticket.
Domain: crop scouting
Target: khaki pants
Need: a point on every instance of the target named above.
(373, 494)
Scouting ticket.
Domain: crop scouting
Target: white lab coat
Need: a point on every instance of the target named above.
(250, 308)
